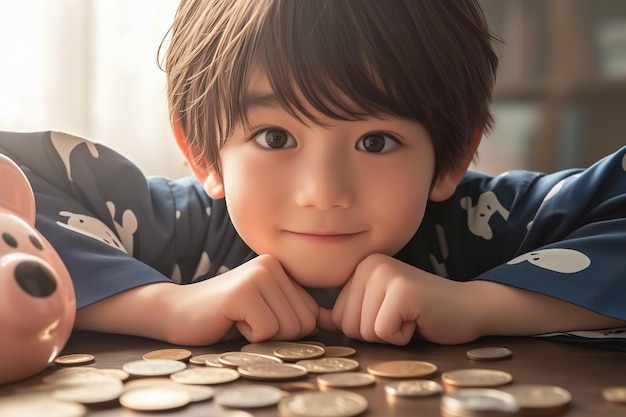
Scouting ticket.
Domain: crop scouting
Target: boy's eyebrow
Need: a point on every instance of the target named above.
(260, 99)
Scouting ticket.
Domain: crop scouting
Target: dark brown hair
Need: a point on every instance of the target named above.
(425, 60)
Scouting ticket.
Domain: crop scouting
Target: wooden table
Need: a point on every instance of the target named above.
(582, 370)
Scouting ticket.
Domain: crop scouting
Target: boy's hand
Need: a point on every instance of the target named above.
(389, 301)
(259, 299)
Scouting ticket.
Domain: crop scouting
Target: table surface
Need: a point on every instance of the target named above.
(582, 370)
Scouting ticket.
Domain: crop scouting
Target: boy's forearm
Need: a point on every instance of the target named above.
(513, 311)
(149, 311)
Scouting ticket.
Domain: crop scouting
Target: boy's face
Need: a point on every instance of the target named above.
(321, 198)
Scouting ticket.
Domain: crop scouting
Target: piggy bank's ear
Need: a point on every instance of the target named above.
(16, 194)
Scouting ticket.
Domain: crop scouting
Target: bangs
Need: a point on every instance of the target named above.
(333, 57)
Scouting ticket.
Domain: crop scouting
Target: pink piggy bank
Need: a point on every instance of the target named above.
(37, 301)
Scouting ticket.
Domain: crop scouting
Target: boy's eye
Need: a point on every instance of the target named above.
(275, 139)
(376, 143)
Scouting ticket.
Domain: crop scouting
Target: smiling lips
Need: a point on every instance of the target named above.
(324, 237)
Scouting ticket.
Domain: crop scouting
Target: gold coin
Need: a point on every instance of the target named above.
(237, 359)
(328, 365)
(299, 351)
(488, 354)
(615, 394)
(205, 376)
(413, 388)
(273, 371)
(403, 369)
(173, 354)
(475, 378)
(75, 359)
(153, 367)
(346, 380)
(335, 403)
(293, 387)
(158, 398)
(339, 351)
(540, 399)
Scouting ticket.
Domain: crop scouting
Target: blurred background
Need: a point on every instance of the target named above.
(89, 67)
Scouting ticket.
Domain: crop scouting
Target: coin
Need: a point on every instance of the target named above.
(39, 404)
(236, 359)
(299, 351)
(264, 348)
(346, 380)
(75, 359)
(158, 398)
(488, 354)
(272, 371)
(248, 396)
(153, 367)
(413, 388)
(339, 351)
(93, 393)
(335, 403)
(203, 359)
(475, 378)
(205, 376)
(293, 387)
(115, 373)
(478, 401)
(173, 354)
(540, 399)
(198, 393)
(615, 394)
(75, 378)
(328, 365)
(403, 369)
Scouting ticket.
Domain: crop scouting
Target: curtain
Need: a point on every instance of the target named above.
(89, 68)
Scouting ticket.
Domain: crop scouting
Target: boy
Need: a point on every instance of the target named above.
(332, 139)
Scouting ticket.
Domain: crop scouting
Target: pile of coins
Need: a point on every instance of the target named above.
(170, 379)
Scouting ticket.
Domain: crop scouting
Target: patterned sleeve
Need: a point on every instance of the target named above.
(114, 228)
(562, 235)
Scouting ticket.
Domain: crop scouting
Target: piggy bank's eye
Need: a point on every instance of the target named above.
(9, 240)
(36, 243)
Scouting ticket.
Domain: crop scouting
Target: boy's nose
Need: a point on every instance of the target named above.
(325, 183)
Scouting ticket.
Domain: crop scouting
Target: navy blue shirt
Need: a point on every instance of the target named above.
(561, 235)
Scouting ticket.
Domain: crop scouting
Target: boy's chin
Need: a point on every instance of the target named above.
(320, 277)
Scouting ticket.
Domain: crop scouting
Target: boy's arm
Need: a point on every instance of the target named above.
(389, 301)
(257, 299)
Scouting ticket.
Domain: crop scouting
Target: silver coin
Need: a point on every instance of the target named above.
(202, 359)
(39, 404)
(153, 367)
(475, 378)
(248, 396)
(413, 388)
(77, 378)
(346, 379)
(93, 393)
(205, 376)
(157, 398)
(336, 403)
(236, 359)
(299, 351)
(328, 365)
(473, 401)
(273, 371)
(263, 348)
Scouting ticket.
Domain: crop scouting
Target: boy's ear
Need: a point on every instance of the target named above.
(446, 182)
(204, 172)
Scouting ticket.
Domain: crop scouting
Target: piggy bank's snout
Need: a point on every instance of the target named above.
(35, 279)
